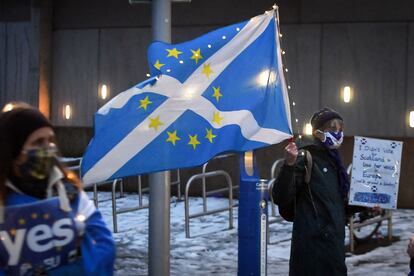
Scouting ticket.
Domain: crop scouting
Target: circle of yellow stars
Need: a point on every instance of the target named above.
(22, 221)
(156, 122)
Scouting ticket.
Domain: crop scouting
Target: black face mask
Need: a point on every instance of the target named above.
(39, 163)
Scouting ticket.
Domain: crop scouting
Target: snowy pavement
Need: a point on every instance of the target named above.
(213, 247)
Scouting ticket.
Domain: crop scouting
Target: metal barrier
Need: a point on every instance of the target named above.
(116, 212)
(205, 211)
(271, 183)
(72, 164)
(204, 170)
(353, 226)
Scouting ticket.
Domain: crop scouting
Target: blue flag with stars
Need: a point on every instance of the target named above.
(224, 91)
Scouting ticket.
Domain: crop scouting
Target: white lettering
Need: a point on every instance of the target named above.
(37, 234)
(39, 239)
(13, 249)
(61, 232)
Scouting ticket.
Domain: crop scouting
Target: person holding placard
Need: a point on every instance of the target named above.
(319, 214)
(48, 225)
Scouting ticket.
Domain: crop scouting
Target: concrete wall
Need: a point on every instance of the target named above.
(329, 44)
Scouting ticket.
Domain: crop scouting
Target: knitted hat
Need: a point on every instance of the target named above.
(322, 116)
(18, 124)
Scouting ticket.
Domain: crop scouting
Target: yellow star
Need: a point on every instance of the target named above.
(158, 65)
(34, 216)
(207, 70)
(193, 141)
(144, 103)
(196, 55)
(46, 216)
(155, 122)
(22, 221)
(216, 118)
(210, 136)
(173, 52)
(217, 93)
(172, 137)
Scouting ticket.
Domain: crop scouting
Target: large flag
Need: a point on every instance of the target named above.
(224, 91)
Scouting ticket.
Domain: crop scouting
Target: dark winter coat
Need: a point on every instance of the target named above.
(318, 228)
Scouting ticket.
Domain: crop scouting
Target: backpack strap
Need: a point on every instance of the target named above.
(308, 176)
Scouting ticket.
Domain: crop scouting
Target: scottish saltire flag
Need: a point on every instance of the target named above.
(224, 91)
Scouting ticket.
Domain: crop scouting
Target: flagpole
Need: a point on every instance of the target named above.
(159, 183)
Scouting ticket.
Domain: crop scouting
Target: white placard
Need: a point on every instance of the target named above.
(375, 172)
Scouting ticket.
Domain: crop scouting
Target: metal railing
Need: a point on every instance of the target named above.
(352, 226)
(116, 212)
(204, 170)
(205, 211)
(271, 184)
(72, 164)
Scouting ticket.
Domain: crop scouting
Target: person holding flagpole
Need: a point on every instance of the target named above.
(318, 203)
(48, 225)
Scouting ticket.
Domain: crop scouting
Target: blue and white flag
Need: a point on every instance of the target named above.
(224, 91)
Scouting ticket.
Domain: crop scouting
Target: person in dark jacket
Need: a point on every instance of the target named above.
(410, 252)
(48, 224)
(318, 228)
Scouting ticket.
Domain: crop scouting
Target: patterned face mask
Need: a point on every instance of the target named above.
(333, 139)
(39, 163)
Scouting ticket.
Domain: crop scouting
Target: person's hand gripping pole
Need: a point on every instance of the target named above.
(291, 152)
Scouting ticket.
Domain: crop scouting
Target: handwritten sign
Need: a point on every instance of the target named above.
(375, 172)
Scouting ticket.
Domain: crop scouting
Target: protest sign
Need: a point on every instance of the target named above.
(375, 172)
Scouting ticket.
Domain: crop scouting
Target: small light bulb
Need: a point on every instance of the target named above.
(286, 70)
(289, 87)
(237, 29)
(181, 62)
(148, 75)
(280, 35)
(293, 103)
(296, 120)
(168, 70)
(223, 37)
(283, 52)
(8, 107)
(300, 136)
(81, 217)
(209, 45)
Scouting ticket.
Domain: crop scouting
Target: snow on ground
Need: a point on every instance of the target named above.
(212, 248)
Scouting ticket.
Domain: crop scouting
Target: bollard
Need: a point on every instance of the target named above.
(252, 221)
